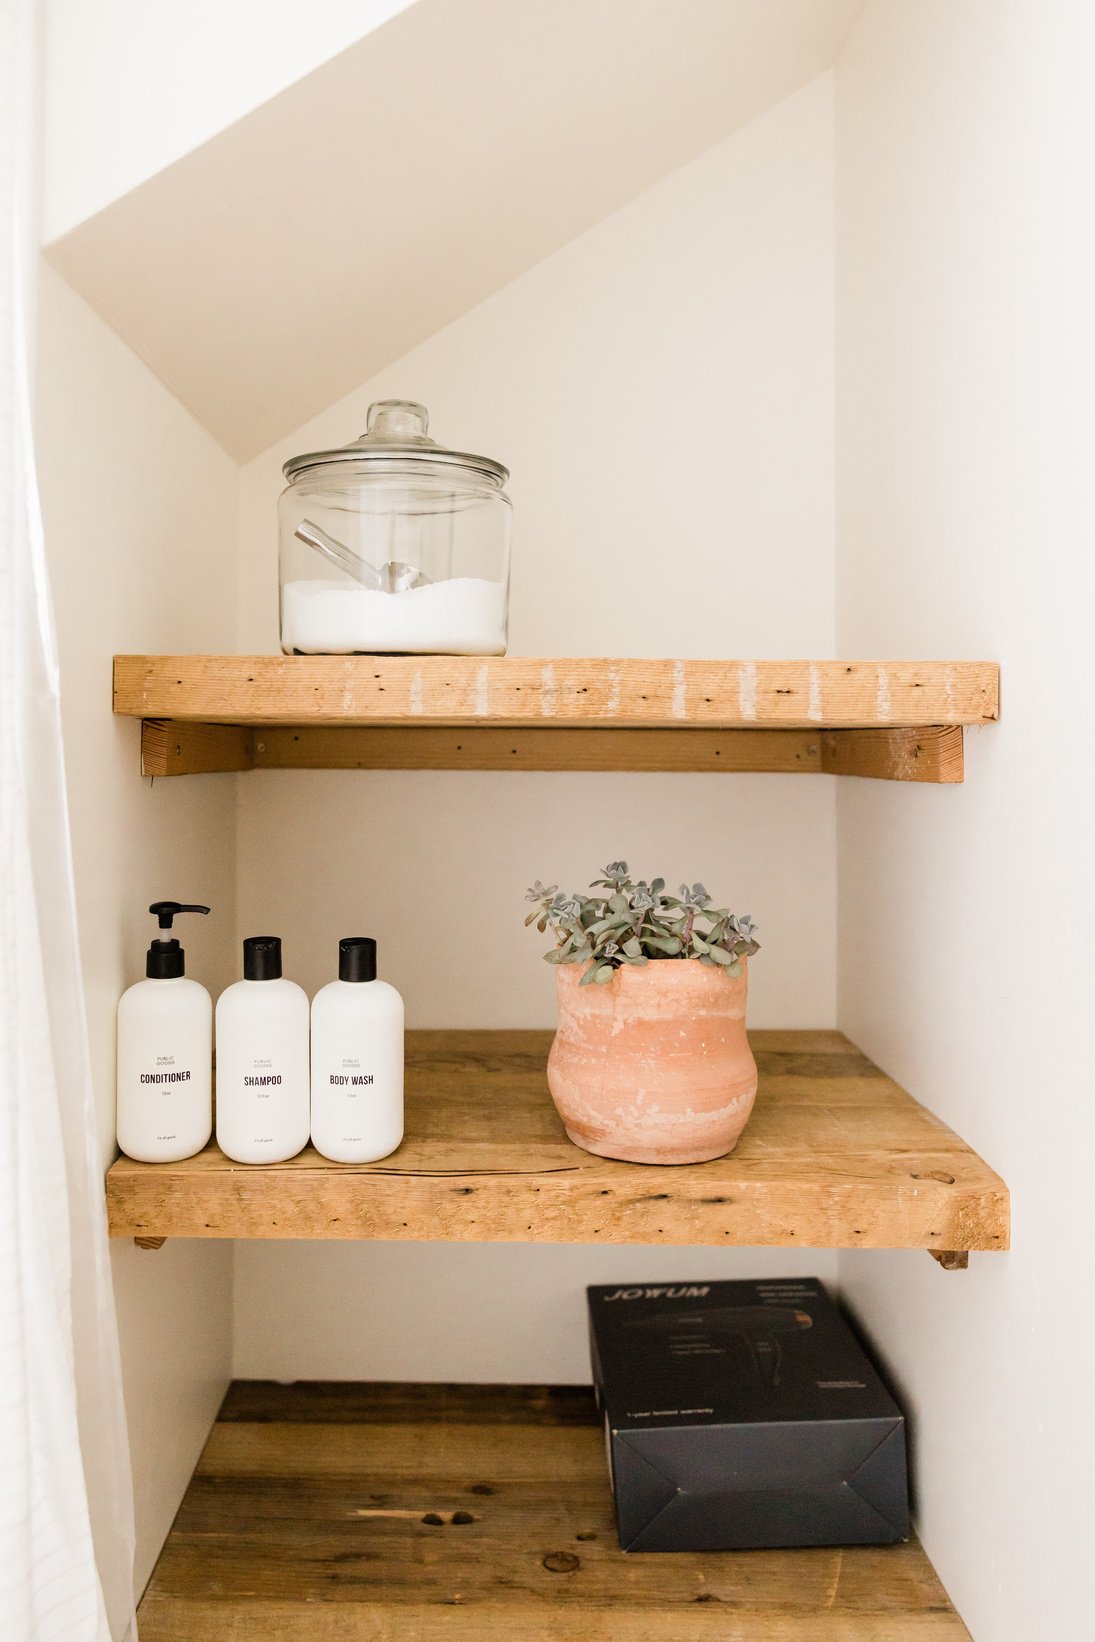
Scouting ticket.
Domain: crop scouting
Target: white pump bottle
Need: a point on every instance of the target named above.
(357, 1060)
(165, 1054)
(262, 1060)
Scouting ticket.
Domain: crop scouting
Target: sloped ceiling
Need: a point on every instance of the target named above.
(267, 273)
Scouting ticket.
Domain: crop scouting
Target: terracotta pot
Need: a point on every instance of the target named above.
(654, 1066)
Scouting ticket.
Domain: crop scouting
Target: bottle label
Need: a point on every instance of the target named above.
(351, 1078)
(166, 1072)
(262, 1078)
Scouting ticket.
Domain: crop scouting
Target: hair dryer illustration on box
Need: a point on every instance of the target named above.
(756, 1330)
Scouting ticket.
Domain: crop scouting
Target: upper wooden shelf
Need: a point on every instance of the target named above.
(836, 1155)
(899, 720)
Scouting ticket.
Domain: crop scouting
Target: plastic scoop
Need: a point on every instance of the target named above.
(392, 577)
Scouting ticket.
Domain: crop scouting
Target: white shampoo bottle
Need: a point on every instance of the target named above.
(357, 1060)
(262, 1060)
(165, 1054)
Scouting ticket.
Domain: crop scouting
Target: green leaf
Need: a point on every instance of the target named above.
(603, 974)
(720, 955)
(632, 947)
(604, 925)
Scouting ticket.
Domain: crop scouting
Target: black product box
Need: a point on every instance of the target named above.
(740, 1415)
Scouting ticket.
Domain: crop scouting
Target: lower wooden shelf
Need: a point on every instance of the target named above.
(362, 1513)
(836, 1155)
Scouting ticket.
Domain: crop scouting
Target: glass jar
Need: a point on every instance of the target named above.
(393, 545)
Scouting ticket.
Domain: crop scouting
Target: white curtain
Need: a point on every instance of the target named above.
(66, 1513)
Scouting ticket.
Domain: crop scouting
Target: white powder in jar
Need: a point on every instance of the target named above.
(465, 616)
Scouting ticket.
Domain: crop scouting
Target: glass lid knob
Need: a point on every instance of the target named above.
(398, 419)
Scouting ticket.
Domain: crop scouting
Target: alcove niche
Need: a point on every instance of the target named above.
(602, 243)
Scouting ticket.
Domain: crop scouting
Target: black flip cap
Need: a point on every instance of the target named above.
(262, 958)
(357, 958)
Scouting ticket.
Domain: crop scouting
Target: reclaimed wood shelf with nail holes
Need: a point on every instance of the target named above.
(892, 720)
(320, 1512)
(836, 1155)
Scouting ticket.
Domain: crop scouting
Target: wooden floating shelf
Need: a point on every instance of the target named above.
(900, 721)
(836, 1155)
(460, 1513)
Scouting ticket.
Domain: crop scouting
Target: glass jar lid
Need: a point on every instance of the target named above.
(397, 433)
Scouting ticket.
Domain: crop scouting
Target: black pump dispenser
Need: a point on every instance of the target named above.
(166, 960)
(262, 958)
(357, 958)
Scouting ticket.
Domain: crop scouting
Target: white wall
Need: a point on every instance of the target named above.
(965, 426)
(131, 85)
(385, 193)
(662, 390)
(470, 1313)
(140, 511)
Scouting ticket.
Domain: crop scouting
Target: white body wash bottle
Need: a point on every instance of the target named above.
(357, 1060)
(165, 1054)
(262, 1060)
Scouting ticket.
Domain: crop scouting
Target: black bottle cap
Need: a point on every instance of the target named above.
(262, 958)
(166, 960)
(357, 958)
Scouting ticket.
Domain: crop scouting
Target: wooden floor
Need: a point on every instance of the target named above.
(373, 1513)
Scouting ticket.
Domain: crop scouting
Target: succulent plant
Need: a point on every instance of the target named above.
(635, 921)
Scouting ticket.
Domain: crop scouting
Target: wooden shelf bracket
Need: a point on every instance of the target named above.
(951, 1259)
(180, 747)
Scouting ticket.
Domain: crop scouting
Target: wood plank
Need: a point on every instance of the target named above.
(836, 1155)
(932, 754)
(401, 1402)
(516, 690)
(164, 1619)
(183, 747)
(194, 749)
(480, 747)
(430, 1529)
